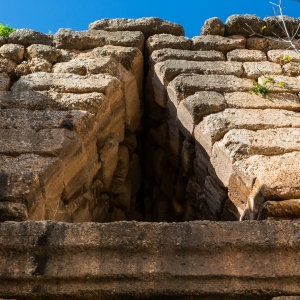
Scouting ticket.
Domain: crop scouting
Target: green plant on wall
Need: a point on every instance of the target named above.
(6, 30)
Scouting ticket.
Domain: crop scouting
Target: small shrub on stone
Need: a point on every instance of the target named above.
(6, 30)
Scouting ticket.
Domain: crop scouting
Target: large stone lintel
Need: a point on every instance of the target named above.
(129, 260)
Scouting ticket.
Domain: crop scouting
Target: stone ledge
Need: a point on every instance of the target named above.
(130, 260)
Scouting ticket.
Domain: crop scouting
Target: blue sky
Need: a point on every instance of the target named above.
(45, 16)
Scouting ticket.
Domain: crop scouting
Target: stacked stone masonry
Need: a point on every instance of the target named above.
(131, 120)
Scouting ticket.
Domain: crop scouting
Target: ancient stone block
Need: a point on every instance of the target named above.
(191, 109)
(282, 84)
(185, 85)
(160, 41)
(10, 211)
(213, 127)
(27, 37)
(178, 54)
(246, 100)
(4, 82)
(12, 51)
(83, 40)
(2, 41)
(218, 43)
(187, 156)
(7, 65)
(274, 26)
(32, 66)
(283, 56)
(213, 26)
(149, 26)
(43, 51)
(254, 70)
(244, 25)
(245, 55)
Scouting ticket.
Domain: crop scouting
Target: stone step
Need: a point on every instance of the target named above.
(241, 143)
(245, 55)
(253, 70)
(281, 84)
(185, 85)
(213, 127)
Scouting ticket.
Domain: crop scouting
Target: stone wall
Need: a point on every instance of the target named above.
(131, 120)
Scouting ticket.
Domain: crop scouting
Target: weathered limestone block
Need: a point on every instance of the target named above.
(32, 66)
(10, 211)
(280, 210)
(80, 121)
(215, 197)
(7, 65)
(109, 159)
(131, 58)
(57, 142)
(244, 25)
(187, 156)
(149, 26)
(68, 83)
(263, 178)
(34, 181)
(166, 71)
(245, 55)
(185, 85)
(218, 43)
(214, 127)
(240, 143)
(95, 103)
(107, 65)
(291, 69)
(270, 255)
(2, 41)
(213, 26)
(282, 84)
(43, 52)
(12, 51)
(166, 54)
(274, 26)
(285, 101)
(160, 41)
(123, 197)
(121, 169)
(287, 298)
(27, 37)
(83, 40)
(4, 82)
(275, 43)
(257, 43)
(191, 109)
(254, 70)
(278, 56)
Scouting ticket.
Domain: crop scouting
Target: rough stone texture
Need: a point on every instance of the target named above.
(239, 25)
(27, 37)
(13, 212)
(7, 65)
(165, 54)
(4, 82)
(218, 43)
(277, 56)
(213, 26)
(160, 41)
(43, 51)
(187, 84)
(245, 55)
(70, 255)
(83, 40)
(149, 26)
(2, 40)
(282, 84)
(274, 26)
(32, 66)
(285, 101)
(12, 51)
(254, 70)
